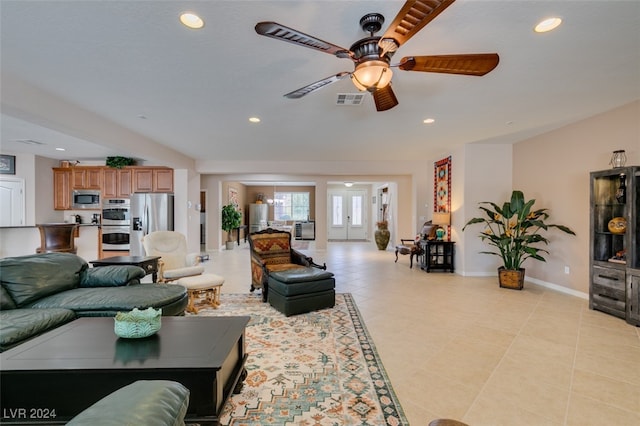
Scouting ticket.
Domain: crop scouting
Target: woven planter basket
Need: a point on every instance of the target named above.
(510, 278)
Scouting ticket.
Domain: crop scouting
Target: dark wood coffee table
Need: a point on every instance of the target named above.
(148, 263)
(70, 368)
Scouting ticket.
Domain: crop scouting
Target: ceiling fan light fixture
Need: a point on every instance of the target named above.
(371, 75)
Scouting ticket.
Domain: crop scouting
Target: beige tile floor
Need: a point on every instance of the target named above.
(462, 348)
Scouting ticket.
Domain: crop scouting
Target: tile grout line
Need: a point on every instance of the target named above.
(503, 358)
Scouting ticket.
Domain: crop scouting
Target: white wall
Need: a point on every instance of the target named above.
(485, 175)
(554, 168)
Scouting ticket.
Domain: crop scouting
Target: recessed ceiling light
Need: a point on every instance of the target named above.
(547, 25)
(428, 121)
(191, 20)
(60, 149)
(254, 119)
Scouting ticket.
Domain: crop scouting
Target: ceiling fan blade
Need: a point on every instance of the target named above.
(384, 98)
(470, 64)
(413, 16)
(280, 32)
(297, 94)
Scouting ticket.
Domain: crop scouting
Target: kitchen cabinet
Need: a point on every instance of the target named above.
(116, 183)
(614, 251)
(86, 178)
(61, 188)
(152, 179)
(113, 183)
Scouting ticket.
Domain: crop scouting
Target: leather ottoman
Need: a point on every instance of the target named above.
(301, 290)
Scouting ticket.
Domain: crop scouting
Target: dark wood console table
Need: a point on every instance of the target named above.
(437, 255)
(246, 234)
(148, 263)
(53, 377)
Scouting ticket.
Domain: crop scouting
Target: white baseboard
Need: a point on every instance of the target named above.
(549, 285)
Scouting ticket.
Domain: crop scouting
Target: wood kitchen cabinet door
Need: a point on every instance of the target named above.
(143, 180)
(153, 180)
(61, 189)
(116, 183)
(86, 178)
(163, 180)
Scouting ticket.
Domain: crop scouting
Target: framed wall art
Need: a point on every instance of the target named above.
(233, 197)
(442, 185)
(7, 164)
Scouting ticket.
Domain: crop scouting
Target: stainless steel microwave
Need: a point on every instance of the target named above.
(85, 199)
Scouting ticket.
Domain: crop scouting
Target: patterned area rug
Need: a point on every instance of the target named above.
(319, 368)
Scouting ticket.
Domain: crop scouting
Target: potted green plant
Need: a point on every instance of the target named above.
(514, 230)
(230, 221)
(120, 162)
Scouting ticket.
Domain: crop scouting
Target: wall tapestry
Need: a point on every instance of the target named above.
(442, 185)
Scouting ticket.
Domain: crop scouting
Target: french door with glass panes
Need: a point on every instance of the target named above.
(347, 214)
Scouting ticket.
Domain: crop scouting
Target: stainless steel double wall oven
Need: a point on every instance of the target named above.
(116, 221)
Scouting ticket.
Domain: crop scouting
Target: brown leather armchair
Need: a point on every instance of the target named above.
(271, 252)
(57, 237)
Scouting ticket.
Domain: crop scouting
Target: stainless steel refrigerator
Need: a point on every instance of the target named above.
(258, 215)
(149, 212)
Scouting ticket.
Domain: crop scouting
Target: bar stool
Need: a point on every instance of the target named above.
(57, 237)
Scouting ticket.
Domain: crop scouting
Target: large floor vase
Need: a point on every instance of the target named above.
(511, 278)
(382, 236)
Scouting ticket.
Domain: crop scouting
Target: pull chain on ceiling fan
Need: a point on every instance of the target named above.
(372, 55)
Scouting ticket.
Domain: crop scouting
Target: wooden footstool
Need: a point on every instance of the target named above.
(205, 284)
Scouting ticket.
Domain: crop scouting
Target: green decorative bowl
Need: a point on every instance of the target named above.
(137, 324)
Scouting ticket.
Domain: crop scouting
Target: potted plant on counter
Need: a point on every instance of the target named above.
(231, 219)
(514, 230)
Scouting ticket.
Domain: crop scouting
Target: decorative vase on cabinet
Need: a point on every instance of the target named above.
(614, 252)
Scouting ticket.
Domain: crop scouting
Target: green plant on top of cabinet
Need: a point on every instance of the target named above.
(614, 252)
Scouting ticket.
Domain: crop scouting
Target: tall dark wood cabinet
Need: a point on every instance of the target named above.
(614, 252)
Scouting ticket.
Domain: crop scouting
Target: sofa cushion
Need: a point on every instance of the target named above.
(107, 301)
(301, 274)
(17, 325)
(272, 248)
(6, 302)
(145, 402)
(111, 276)
(183, 272)
(28, 278)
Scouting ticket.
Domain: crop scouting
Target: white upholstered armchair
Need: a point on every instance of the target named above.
(175, 262)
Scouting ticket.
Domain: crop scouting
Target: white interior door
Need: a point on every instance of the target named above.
(347, 214)
(11, 202)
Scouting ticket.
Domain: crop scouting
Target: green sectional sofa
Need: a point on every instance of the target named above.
(43, 291)
(144, 402)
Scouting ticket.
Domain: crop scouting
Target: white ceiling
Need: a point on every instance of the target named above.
(197, 89)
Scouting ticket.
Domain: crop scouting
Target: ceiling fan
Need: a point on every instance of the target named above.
(372, 55)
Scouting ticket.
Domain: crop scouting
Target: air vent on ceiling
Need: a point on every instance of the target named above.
(350, 98)
(30, 142)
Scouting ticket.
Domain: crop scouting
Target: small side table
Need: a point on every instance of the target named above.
(437, 255)
(244, 228)
(148, 263)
